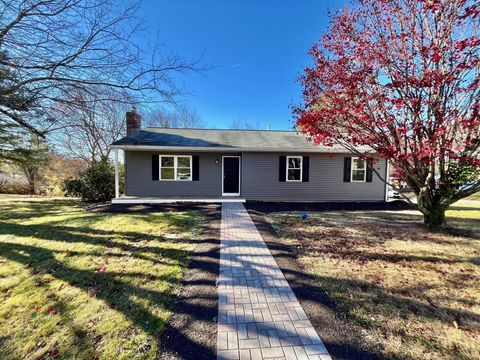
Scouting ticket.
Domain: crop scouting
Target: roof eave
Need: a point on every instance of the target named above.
(227, 149)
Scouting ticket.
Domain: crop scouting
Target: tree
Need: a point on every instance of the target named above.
(58, 170)
(97, 183)
(180, 117)
(51, 48)
(244, 124)
(31, 158)
(93, 121)
(402, 77)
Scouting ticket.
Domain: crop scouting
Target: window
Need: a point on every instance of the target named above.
(294, 168)
(175, 167)
(359, 170)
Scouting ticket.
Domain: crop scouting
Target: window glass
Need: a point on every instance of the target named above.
(294, 175)
(294, 168)
(358, 175)
(167, 173)
(167, 161)
(294, 163)
(183, 161)
(183, 174)
(358, 164)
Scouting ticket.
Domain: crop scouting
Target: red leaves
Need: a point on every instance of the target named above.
(49, 309)
(436, 57)
(381, 80)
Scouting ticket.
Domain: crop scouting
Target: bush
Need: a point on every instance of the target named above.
(97, 183)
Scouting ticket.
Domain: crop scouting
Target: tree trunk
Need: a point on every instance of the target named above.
(31, 181)
(432, 208)
(434, 218)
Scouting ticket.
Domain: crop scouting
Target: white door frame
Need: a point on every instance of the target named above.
(239, 174)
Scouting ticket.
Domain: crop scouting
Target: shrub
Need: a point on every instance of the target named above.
(97, 183)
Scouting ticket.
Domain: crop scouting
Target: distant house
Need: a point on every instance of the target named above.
(166, 165)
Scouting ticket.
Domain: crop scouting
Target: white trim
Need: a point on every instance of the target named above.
(387, 180)
(175, 167)
(301, 168)
(117, 180)
(364, 170)
(239, 175)
(127, 200)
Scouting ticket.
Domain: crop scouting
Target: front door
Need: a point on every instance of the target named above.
(231, 175)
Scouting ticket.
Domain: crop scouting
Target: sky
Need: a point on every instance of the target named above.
(257, 49)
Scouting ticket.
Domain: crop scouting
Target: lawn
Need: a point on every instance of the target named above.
(475, 196)
(85, 285)
(412, 293)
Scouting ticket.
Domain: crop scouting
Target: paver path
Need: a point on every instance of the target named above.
(259, 316)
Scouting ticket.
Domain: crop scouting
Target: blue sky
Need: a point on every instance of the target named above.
(258, 49)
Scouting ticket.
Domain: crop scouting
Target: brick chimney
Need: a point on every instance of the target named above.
(134, 121)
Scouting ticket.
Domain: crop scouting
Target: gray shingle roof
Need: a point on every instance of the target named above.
(205, 139)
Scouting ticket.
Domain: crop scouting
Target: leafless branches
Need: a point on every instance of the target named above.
(179, 117)
(58, 47)
(91, 124)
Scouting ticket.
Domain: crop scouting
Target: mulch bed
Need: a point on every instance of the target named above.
(148, 208)
(342, 339)
(191, 332)
(269, 207)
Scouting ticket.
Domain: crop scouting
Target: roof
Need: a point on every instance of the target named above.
(219, 139)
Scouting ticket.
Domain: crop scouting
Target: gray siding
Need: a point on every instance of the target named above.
(259, 180)
(138, 176)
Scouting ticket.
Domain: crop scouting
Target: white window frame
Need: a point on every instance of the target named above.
(301, 168)
(364, 170)
(175, 167)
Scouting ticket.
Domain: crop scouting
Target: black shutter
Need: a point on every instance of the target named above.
(155, 167)
(347, 166)
(369, 172)
(306, 168)
(196, 168)
(282, 172)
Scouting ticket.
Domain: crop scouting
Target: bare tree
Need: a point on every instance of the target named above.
(52, 48)
(91, 124)
(181, 117)
(244, 124)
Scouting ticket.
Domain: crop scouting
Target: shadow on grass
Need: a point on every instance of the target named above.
(116, 292)
(33, 209)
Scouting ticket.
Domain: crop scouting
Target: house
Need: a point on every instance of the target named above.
(166, 165)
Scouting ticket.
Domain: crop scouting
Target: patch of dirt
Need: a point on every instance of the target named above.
(343, 340)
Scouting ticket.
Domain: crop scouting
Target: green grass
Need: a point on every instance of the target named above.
(475, 196)
(76, 284)
(414, 294)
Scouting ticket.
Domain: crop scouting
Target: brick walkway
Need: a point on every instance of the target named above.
(259, 316)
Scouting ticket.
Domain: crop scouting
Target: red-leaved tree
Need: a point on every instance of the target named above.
(402, 77)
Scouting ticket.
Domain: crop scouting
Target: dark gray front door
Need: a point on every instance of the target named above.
(231, 175)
